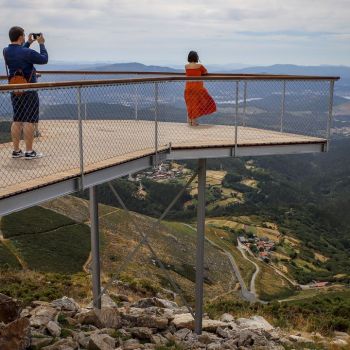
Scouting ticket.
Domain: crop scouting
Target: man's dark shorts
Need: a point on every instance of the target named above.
(25, 107)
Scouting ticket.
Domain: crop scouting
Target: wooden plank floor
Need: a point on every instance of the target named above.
(108, 143)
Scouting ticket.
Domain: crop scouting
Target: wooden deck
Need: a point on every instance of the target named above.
(108, 143)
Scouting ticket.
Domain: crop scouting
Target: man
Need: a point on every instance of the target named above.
(20, 58)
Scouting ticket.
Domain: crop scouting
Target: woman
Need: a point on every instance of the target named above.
(198, 100)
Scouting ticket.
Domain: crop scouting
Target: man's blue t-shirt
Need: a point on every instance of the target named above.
(24, 58)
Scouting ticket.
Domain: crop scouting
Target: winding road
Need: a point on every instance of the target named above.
(246, 294)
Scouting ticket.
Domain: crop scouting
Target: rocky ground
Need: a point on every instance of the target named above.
(150, 323)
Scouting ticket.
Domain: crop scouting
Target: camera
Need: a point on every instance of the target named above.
(36, 35)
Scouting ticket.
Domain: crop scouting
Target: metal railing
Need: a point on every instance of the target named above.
(86, 125)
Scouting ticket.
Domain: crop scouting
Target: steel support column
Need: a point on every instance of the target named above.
(202, 165)
(95, 249)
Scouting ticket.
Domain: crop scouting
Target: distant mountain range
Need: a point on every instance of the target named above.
(325, 70)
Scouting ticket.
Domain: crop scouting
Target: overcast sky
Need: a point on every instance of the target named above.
(252, 32)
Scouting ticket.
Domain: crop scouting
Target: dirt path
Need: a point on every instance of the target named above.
(246, 294)
(257, 268)
(8, 245)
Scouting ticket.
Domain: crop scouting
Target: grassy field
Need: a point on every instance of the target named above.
(46, 241)
(7, 259)
(64, 250)
(33, 220)
(175, 244)
(271, 286)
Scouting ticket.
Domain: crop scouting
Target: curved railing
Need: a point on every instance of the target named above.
(87, 124)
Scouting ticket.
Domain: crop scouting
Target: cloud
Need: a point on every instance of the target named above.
(161, 31)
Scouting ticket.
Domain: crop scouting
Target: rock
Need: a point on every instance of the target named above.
(82, 339)
(214, 346)
(132, 344)
(255, 322)
(106, 301)
(108, 318)
(182, 333)
(15, 335)
(120, 297)
(212, 325)
(42, 315)
(141, 332)
(227, 318)
(37, 303)
(229, 344)
(38, 343)
(245, 338)
(183, 321)
(9, 309)
(149, 302)
(101, 342)
(339, 342)
(227, 333)
(342, 335)
(26, 312)
(299, 339)
(54, 329)
(88, 318)
(158, 339)
(64, 344)
(66, 304)
(207, 338)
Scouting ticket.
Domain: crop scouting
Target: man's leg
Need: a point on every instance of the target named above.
(16, 130)
(28, 131)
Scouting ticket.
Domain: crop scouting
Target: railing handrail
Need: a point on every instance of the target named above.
(181, 77)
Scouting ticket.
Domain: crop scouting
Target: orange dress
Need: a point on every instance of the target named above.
(198, 100)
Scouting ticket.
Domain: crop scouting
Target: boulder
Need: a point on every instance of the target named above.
(339, 342)
(108, 318)
(63, 344)
(101, 342)
(106, 301)
(208, 338)
(42, 315)
(227, 318)
(255, 322)
(227, 333)
(152, 322)
(66, 304)
(141, 333)
(9, 309)
(182, 334)
(183, 321)
(299, 339)
(132, 344)
(82, 339)
(15, 335)
(120, 297)
(212, 325)
(149, 302)
(159, 340)
(53, 328)
(88, 318)
(38, 343)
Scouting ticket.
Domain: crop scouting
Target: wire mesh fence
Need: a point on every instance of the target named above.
(81, 128)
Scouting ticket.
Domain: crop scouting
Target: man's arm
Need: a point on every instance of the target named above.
(38, 58)
(29, 41)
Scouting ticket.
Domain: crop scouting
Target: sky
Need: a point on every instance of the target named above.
(161, 32)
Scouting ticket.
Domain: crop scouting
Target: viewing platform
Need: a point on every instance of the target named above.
(92, 131)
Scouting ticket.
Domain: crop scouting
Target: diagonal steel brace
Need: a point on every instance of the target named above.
(144, 240)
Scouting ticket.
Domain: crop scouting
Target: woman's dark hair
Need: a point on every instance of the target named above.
(193, 57)
(15, 33)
